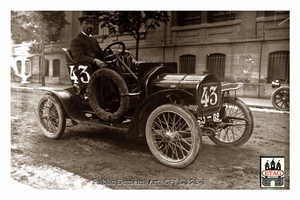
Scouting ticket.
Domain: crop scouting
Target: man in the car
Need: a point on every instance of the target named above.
(86, 49)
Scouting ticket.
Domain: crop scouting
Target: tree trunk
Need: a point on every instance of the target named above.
(43, 63)
(137, 40)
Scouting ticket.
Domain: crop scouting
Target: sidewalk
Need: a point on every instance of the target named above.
(251, 102)
(31, 86)
(258, 103)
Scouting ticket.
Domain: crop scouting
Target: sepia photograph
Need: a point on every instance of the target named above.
(148, 99)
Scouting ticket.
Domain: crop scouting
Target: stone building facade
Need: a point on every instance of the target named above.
(238, 46)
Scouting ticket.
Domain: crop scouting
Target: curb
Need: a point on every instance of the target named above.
(260, 106)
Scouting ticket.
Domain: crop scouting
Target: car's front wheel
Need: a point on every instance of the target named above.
(173, 135)
(281, 98)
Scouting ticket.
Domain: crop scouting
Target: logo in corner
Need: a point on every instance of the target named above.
(272, 171)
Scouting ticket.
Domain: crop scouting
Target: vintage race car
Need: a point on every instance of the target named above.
(281, 95)
(171, 110)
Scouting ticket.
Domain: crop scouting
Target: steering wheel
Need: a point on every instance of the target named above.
(110, 52)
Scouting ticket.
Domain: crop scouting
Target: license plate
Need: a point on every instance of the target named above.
(215, 118)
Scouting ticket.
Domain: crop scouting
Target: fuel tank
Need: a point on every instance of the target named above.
(205, 88)
(180, 81)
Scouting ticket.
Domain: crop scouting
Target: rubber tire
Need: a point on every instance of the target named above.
(245, 136)
(93, 93)
(273, 98)
(195, 135)
(59, 115)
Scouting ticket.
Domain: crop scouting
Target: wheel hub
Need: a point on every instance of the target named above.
(170, 135)
(46, 114)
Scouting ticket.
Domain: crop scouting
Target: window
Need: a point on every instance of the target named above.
(46, 70)
(278, 66)
(275, 13)
(189, 18)
(187, 64)
(27, 67)
(182, 18)
(19, 66)
(220, 16)
(215, 64)
(56, 67)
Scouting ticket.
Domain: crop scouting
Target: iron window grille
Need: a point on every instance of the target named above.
(215, 64)
(279, 66)
(274, 13)
(189, 18)
(220, 16)
(187, 64)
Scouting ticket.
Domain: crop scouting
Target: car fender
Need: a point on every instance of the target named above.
(69, 101)
(149, 104)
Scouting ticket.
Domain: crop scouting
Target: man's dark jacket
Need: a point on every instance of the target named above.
(85, 49)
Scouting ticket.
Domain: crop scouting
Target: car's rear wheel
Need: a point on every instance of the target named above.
(173, 135)
(51, 116)
(238, 124)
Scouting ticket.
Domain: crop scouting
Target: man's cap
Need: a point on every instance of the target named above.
(90, 18)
